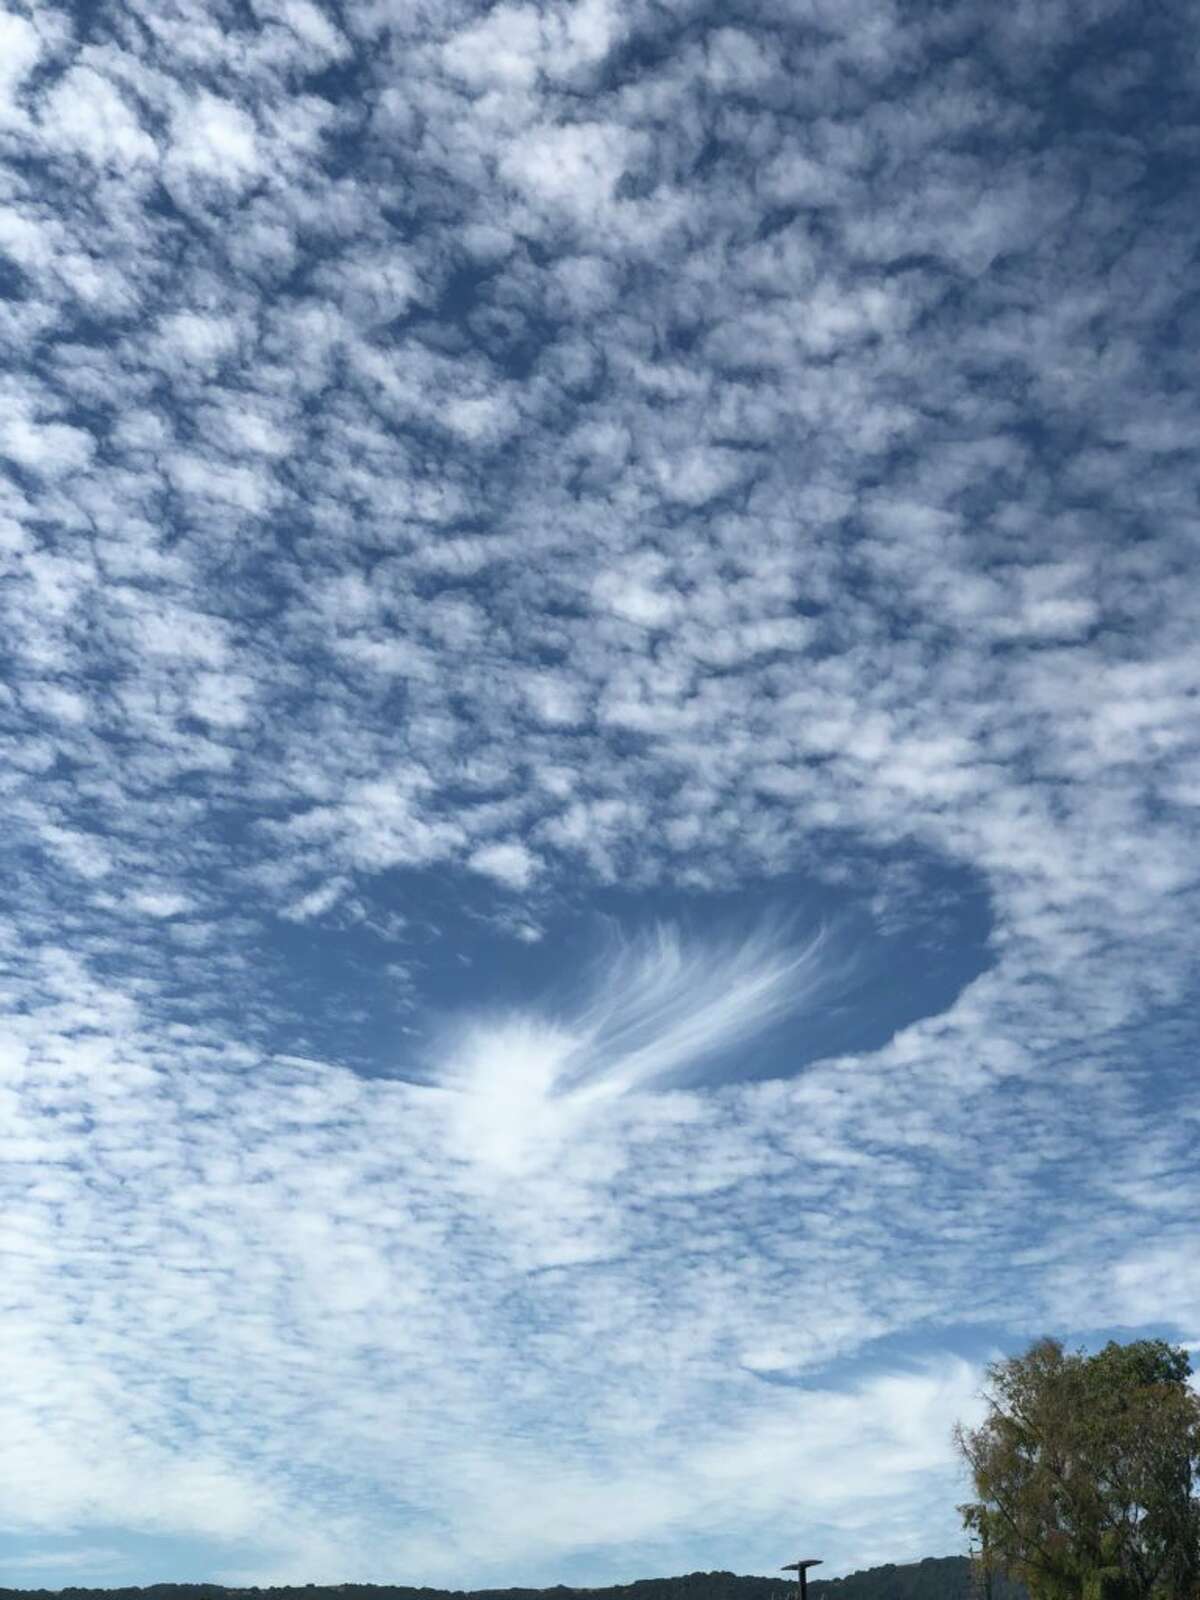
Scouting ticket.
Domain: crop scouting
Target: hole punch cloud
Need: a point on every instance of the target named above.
(651, 1012)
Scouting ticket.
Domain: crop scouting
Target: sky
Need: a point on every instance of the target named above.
(599, 712)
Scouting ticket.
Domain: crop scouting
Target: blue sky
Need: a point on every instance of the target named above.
(600, 768)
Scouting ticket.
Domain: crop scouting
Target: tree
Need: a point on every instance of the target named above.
(1085, 1468)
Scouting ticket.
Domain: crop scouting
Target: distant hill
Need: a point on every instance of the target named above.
(935, 1578)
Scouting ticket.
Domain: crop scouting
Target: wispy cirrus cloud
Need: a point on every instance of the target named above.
(651, 1011)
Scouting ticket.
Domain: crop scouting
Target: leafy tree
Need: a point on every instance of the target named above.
(1085, 1468)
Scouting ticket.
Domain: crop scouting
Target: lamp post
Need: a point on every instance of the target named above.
(800, 1568)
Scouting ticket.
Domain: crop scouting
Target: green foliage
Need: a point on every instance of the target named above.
(1085, 1469)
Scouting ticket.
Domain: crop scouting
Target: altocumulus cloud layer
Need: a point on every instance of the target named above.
(543, 549)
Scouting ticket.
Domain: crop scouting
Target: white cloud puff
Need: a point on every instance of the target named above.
(86, 113)
(213, 138)
(507, 861)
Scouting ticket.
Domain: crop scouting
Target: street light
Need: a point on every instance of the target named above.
(800, 1568)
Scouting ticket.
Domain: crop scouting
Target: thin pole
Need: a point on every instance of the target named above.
(800, 1568)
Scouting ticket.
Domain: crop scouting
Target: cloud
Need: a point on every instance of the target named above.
(214, 138)
(87, 113)
(509, 863)
(86, 1558)
(651, 1010)
(154, 904)
(575, 166)
(515, 44)
(20, 49)
(49, 448)
(661, 1003)
(468, 474)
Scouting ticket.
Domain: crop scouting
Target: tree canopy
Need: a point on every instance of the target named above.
(1085, 1470)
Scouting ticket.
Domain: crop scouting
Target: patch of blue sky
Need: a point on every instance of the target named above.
(890, 944)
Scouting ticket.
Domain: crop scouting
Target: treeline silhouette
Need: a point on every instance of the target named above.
(935, 1578)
